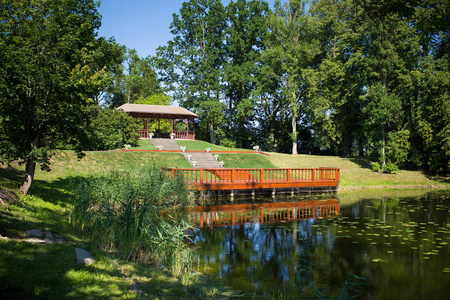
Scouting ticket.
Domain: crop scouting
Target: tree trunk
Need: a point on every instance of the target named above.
(28, 177)
(294, 134)
(383, 148)
(345, 143)
(212, 134)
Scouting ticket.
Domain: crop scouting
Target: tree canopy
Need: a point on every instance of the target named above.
(52, 69)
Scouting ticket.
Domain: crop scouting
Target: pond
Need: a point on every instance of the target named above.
(385, 246)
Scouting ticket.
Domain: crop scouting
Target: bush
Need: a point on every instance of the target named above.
(105, 130)
(390, 168)
(137, 214)
(376, 167)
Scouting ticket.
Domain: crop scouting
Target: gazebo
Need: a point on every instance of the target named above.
(161, 112)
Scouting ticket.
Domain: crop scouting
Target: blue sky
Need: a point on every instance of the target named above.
(140, 24)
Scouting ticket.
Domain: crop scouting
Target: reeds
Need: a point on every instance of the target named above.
(136, 214)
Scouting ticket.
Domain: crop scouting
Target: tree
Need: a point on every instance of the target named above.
(245, 35)
(191, 64)
(48, 78)
(292, 47)
(109, 128)
(337, 83)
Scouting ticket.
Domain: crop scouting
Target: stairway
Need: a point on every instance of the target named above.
(204, 160)
(168, 144)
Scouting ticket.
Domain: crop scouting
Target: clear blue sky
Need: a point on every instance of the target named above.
(140, 24)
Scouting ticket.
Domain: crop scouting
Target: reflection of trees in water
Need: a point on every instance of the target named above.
(327, 252)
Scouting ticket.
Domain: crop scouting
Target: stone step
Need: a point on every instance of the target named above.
(203, 160)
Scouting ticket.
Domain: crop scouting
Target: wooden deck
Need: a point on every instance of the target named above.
(239, 214)
(254, 179)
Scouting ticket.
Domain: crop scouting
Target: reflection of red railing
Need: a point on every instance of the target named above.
(234, 179)
(238, 214)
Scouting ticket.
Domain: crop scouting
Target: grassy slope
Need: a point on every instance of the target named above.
(49, 271)
(201, 145)
(355, 172)
(30, 271)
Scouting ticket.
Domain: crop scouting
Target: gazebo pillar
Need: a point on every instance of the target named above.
(147, 135)
(187, 129)
(171, 122)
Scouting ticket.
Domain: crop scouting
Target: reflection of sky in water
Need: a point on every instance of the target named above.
(381, 240)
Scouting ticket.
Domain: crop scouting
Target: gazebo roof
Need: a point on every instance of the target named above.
(157, 111)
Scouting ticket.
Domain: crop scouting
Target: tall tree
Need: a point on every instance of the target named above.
(245, 36)
(48, 77)
(292, 47)
(191, 64)
(337, 84)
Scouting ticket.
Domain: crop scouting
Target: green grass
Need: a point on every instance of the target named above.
(41, 271)
(49, 271)
(144, 144)
(357, 173)
(201, 146)
(243, 160)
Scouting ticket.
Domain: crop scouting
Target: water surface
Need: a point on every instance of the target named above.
(386, 246)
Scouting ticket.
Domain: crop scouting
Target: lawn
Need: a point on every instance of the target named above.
(202, 146)
(50, 272)
(357, 172)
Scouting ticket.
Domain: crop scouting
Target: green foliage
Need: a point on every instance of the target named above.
(52, 67)
(107, 130)
(398, 147)
(390, 168)
(291, 48)
(376, 167)
(138, 214)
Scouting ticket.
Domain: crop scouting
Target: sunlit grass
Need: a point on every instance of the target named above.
(202, 145)
(356, 173)
(144, 144)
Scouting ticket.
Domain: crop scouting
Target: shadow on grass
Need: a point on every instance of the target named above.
(362, 162)
(45, 271)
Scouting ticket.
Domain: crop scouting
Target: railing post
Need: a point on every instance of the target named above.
(232, 175)
(313, 175)
(288, 175)
(201, 176)
(261, 175)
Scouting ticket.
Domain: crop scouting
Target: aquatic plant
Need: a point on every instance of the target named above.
(137, 215)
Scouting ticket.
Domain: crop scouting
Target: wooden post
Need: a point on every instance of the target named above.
(201, 176)
(313, 175)
(171, 123)
(288, 175)
(187, 128)
(232, 175)
(147, 129)
(261, 175)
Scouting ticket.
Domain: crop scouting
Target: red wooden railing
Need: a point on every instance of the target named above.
(143, 134)
(230, 179)
(238, 214)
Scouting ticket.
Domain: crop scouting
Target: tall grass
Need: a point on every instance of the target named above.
(137, 214)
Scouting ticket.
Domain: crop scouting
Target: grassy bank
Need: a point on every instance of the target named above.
(356, 173)
(50, 272)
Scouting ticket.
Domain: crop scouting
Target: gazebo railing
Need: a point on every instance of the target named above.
(181, 134)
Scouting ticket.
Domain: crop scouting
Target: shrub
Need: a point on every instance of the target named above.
(105, 130)
(376, 167)
(390, 168)
(137, 214)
